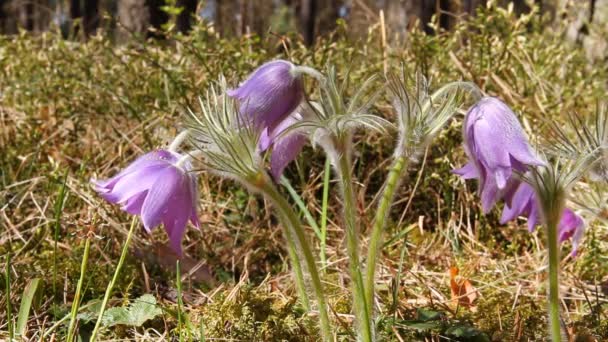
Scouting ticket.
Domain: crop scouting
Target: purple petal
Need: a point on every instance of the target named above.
(285, 150)
(286, 143)
(177, 214)
(154, 158)
(194, 200)
(164, 190)
(270, 93)
(490, 150)
(520, 203)
(133, 183)
(265, 140)
(468, 171)
(489, 194)
(533, 216)
(568, 224)
(134, 204)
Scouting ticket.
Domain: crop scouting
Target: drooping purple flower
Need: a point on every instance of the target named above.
(271, 93)
(571, 226)
(523, 202)
(160, 188)
(496, 146)
(286, 144)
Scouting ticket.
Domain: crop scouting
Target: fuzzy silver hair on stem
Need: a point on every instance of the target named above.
(227, 140)
(422, 114)
(582, 137)
(331, 121)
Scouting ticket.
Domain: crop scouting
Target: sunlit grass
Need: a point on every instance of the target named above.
(71, 111)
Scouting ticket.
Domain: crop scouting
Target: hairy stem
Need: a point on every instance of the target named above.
(554, 320)
(178, 140)
(292, 250)
(324, 205)
(362, 311)
(392, 183)
(293, 228)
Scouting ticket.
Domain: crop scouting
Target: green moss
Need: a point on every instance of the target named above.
(503, 321)
(251, 314)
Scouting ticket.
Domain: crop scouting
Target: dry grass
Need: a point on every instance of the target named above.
(86, 110)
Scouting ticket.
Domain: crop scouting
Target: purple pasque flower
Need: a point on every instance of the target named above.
(496, 146)
(572, 226)
(286, 143)
(523, 202)
(160, 187)
(271, 93)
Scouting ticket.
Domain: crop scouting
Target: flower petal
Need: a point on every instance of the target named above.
(468, 171)
(133, 183)
(159, 196)
(285, 150)
(177, 214)
(270, 93)
(134, 204)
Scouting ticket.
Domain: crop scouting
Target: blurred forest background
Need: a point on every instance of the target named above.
(82, 94)
(310, 18)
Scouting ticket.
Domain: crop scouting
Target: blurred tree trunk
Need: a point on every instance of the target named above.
(157, 16)
(26, 15)
(90, 20)
(308, 12)
(133, 17)
(317, 18)
(185, 18)
(75, 16)
(3, 23)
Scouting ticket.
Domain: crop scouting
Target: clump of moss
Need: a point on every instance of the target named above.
(525, 322)
(255, 315)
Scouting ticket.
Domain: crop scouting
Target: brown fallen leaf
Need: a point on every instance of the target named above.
(463, 292)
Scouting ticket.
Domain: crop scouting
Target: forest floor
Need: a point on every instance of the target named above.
(73, 111)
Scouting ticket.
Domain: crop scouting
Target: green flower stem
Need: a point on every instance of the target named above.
(110, 287)
(554, 320)
(78, 294)
(392, 183)
(324, 205)
(293, 228)
(362, 312)
(297, 266)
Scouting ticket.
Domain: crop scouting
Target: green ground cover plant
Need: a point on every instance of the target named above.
(71, 111)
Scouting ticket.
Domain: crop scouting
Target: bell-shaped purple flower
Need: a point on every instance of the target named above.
(160, 188)
(572, 226)
(286, 143)
(271, 93)
(496, 146)
(523, 202)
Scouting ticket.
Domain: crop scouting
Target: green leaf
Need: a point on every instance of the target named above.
(423, 326)
(428, 315)
(26, 303)
(467, 332)
(136, 314)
